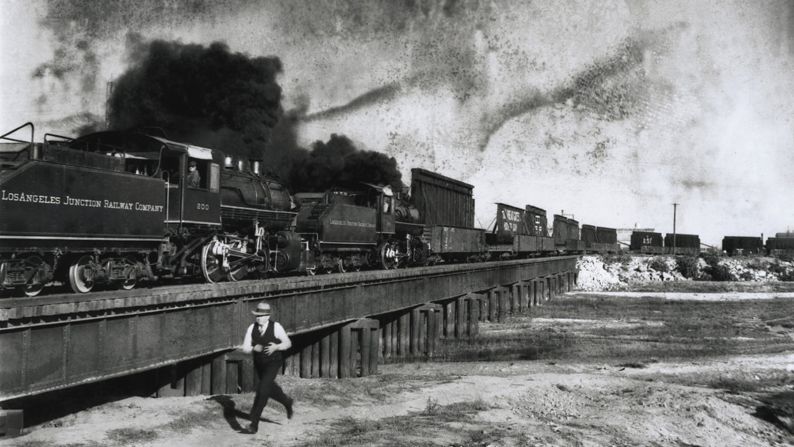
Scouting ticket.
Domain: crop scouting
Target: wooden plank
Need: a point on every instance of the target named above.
(431, 331)
(364, 337)
(232, 377)
(246, 373)
(386, 340)
(306, 361)
(334, 355)
(206, 377)
(373, 351)
(193, 380)
(219, 374)
(325, 356)
(316, 359)
(415, 324)
(344, 352)
(405, 335)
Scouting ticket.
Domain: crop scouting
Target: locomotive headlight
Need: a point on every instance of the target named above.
(227, 162)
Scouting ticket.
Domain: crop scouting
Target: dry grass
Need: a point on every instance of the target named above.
(632, 330)
(435, 425)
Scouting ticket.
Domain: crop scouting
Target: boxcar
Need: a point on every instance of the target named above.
(684, 244)
(646, 242)
(737, 245)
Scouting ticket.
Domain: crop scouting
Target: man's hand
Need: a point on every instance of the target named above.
(259, 348)
(271, 348)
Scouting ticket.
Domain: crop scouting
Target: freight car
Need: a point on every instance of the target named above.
(780, 246)
(742, 245)
(682, 244)
(599, 239)
(646, 242)
(519, 232)
(116, 207)
(565, 232)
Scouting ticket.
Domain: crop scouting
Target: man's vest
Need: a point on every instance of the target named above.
(257, 338)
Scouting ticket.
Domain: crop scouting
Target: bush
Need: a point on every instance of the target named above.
(659, 264)
(687, 266)
(711, 259)
(787, 275)
(720, 273)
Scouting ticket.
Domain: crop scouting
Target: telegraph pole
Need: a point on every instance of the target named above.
(675, 206)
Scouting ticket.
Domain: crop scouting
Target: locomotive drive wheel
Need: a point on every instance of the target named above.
(237, 273)
(211, 263)
(81, 275)
(387, 256)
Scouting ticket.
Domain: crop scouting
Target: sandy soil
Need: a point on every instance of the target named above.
(724, 400)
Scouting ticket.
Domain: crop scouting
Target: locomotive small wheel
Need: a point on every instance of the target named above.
(81, 275)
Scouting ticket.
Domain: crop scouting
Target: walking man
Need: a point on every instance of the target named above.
(266, 339)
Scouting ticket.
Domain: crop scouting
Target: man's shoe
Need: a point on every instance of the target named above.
(290, 411)
(249, 430)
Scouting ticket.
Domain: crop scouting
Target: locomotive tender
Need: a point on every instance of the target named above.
(116, 207)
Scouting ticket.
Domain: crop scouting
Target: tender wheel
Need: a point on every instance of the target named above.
(35, 283)
(387, 256)
(81, 275)
(211, 264)
(132, 276)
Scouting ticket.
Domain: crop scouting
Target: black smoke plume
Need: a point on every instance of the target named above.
(338, 163)
(204, 95)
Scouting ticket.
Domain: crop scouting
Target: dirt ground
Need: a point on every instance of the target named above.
(587, 369)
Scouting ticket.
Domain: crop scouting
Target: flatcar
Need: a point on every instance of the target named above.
(519, 232)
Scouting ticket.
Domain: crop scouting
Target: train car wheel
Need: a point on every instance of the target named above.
(132, 276)
(210, 264)
(81, 275)
(35, 284)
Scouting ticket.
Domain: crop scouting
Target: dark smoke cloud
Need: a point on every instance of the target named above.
(203, 95)
(339, 163)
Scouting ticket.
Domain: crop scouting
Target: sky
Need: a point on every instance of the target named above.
(610, 111)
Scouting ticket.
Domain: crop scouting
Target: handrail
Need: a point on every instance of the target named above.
(5, 135)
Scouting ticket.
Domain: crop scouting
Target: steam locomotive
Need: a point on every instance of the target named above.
(116, 207)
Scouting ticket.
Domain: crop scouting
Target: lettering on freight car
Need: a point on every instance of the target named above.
(203, 206)
(349, 223)
(41, 199)
(510, 219)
